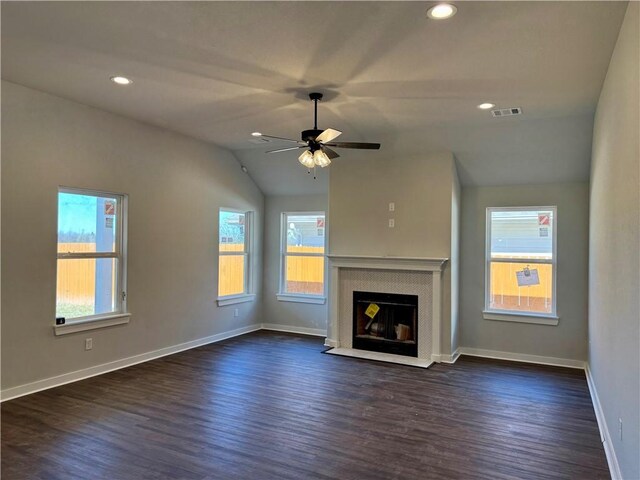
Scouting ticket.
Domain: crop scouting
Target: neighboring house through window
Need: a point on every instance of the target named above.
(521, 261)
(302, 257)
(91, 269)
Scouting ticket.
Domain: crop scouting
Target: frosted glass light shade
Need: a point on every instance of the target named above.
(320, 158)
(306, 159)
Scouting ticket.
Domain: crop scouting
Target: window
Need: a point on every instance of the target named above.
(302, 253)
(91, 255)
(521, 262)
(233, 247)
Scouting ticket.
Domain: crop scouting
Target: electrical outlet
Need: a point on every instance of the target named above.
(392, 207)
(236, 312)
(620, 427)
(88, 343)
(392, 223)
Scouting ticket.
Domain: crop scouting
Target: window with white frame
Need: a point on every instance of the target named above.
(91, 254)
(233, 247)
(521, 261)
(302, 254)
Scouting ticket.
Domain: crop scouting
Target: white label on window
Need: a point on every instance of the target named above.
(528, 277)
(108, 222)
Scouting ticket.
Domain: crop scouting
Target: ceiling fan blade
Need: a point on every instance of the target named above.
(282, 138)
(286, 149)
(367, 146)
(330, 153)
(328, 135)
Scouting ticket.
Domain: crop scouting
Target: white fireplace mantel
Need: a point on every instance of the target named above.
(388, 263)
(410, 264)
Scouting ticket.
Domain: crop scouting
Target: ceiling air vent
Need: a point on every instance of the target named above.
(506, 112)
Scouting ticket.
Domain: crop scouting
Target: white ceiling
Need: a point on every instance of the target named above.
(221, 70)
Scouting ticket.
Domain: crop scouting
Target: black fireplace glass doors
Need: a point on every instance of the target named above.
(385, 322)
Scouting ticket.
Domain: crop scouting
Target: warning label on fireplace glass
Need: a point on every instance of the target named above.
(371, 310)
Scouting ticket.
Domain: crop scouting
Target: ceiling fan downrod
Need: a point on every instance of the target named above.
(315, 96)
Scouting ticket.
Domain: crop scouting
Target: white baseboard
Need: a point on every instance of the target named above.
(329, 342)
(605, 436)
(522, 357)
(450, 359)
(316, 332)
(33, 387)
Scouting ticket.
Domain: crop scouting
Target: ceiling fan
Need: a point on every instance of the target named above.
(317, 143)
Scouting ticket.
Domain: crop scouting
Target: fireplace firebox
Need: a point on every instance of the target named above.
(385, 322)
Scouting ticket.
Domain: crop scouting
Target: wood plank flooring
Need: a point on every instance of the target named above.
(272, 406)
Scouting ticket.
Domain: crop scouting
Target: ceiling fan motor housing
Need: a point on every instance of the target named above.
(310, 135)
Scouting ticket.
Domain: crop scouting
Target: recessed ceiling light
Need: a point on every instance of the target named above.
(486, 106)
(121, 80)
(442, 11)
(256, 134)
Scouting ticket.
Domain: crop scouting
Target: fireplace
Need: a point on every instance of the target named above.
(385, 322)
(410, 276)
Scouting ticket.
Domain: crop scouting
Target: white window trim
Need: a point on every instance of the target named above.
(246, 295)
(284, 296)
(514, 315)
(233, 299)
(510, 316)
(298, 298)
(101, 321)
(120, 314)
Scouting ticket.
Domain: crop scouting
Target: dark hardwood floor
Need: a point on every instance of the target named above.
(272, 406)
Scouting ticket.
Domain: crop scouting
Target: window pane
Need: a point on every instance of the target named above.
(231, 275)
(304, 275)
(86, 223)
(305, 233)
(522, 234)
(86, 287)
(513, 289)
(232, 231)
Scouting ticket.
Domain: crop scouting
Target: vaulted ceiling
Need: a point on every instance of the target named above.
(221, 70)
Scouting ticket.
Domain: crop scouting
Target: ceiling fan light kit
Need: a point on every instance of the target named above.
(320, 159)
(317, 142)
(306, 159)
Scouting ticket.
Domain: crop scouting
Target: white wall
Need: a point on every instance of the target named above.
(567, 340)
(422, 188)
(614, 286)
(298, 316)
(454, 263)
(175, 186)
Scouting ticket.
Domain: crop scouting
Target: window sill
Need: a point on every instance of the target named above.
(521, 317)
(92, 324)
(233, 299)
(288, 297)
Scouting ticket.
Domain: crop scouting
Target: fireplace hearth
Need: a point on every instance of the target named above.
(385, 322)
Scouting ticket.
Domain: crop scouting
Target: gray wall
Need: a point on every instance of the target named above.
(567, 340)
(303, 315)
(614, 286)
(175, 186)
(360, 191)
